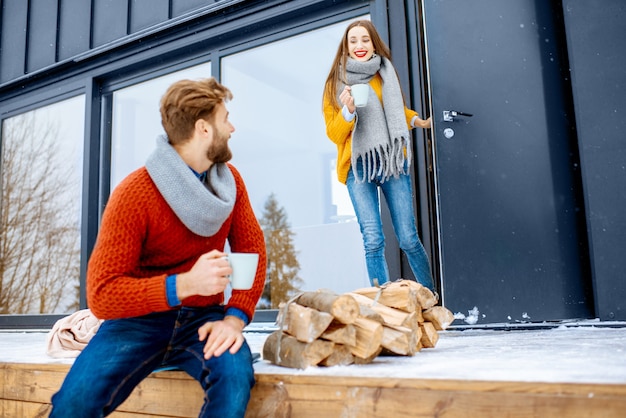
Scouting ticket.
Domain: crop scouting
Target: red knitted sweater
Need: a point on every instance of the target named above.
(141, 241)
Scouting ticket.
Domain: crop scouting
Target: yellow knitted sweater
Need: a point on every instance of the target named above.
(339, 130)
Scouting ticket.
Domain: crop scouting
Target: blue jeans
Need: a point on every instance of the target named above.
(399, 196)
(125, 351)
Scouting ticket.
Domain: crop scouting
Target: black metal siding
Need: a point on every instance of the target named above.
(180, 7)
(42, 35)
(13, 40)
(74, 28)
(36, 35)
(596, 39)
(145, 13)
(110, 21)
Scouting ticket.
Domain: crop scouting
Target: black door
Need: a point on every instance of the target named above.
(511, 241)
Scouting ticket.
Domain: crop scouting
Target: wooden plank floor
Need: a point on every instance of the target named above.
(26, 390)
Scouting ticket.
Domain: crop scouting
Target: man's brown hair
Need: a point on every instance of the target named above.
(186, 101)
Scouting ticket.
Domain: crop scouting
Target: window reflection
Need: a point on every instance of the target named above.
(281, 148)
(42, 153)
(137, 120)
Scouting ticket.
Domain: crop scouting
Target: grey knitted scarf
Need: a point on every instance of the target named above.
(203, 208)
(380, 136)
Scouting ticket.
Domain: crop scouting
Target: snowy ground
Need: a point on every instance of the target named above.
(591, 353)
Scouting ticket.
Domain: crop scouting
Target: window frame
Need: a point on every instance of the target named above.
(99, 76)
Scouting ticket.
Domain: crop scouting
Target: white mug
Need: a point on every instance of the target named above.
(360, 92)
(244, 267)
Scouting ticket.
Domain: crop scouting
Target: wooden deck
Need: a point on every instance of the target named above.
(27, 388)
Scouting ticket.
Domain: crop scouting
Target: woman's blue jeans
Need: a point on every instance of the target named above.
(125, 351)
(399, 196)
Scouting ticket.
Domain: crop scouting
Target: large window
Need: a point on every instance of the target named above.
(276, 72)
(40, 211)
(281, 148)
(137, 120)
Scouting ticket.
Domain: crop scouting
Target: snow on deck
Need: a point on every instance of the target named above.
(565, 354)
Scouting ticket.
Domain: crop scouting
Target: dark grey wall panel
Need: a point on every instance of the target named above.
(38, 34)
(13, 40)
(180, 7)
(597, 55)
(145, 13)
(42, 35)
(74, 28)
(110, 21)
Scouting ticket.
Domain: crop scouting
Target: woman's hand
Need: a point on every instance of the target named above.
(347, 100)
(424, 124)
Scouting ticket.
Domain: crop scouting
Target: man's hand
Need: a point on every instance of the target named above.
(222, 335)
(209, 276)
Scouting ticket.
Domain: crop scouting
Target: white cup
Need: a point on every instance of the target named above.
(244, 269)
(360, 92)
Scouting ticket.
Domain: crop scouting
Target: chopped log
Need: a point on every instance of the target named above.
(429, 335)
(418, 338)
(419, 316)
(391, 316)
(368, 360)
(343, 307)
(399, 340)
(340, 333)
(293, 353)
(413, 322)
(369, 313)
(341, 356)
(440, 317)
(369, 335)
(425, 297)
(304, 323)
(399, 294)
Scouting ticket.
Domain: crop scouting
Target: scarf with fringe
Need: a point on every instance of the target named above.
(380, 138)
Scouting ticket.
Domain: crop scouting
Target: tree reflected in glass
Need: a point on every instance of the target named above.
(41, 176)
(282, 280)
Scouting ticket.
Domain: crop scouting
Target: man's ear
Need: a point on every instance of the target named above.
(202, 127)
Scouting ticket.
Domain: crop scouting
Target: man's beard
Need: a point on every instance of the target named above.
(218, 151)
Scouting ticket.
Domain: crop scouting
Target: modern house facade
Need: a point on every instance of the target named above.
(519, 187)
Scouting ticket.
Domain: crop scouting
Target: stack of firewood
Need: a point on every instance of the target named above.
(325, 329)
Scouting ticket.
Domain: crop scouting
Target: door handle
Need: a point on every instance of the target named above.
(449, 115)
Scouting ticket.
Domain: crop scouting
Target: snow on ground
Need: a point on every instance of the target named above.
(565, 354)
(574, 355)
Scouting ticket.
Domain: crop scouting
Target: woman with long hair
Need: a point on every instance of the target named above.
(374, 147)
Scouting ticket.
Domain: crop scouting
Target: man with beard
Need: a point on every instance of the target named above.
(157, 274)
